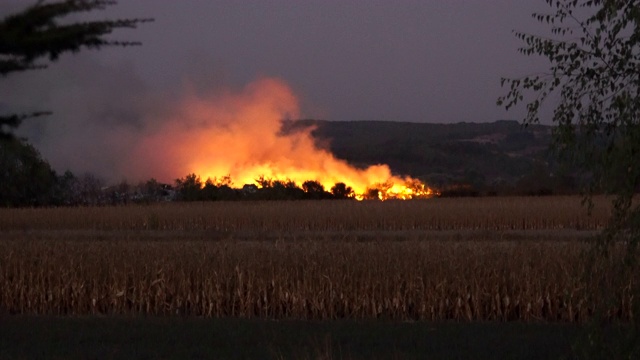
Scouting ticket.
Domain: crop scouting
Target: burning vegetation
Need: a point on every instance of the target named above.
(235, 140)
(191, 188)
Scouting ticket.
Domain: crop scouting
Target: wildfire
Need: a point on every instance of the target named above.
(239, 135)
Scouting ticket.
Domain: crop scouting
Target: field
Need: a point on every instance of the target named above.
(486, 261)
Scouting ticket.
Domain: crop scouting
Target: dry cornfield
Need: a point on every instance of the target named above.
(509, 213)
(463, 259)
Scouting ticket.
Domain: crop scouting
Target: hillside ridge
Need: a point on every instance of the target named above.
(499, 152)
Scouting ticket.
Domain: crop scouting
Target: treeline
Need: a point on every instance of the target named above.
(192, 188)
(539, 181)
(28, 180)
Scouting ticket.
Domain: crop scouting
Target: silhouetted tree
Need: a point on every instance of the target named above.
(25, 178)
(342, 191)
(119, 194)
(63, 190)
(372, 194)
(264, 182)
(151, 190)
(227, 193)
(314, 190)
(209, 191)
(189, 188)
(292, 191)
(88, 189)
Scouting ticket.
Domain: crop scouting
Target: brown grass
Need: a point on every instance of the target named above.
(307, 260)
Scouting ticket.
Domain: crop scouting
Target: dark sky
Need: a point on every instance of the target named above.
(407, 60)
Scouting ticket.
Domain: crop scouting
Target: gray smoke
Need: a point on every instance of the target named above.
(98, 112)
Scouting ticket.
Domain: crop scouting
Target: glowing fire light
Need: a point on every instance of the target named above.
(239, 135)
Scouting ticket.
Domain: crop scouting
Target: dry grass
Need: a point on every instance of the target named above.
(344, 260)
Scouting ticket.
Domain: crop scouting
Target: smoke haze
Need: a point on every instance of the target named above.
(98, 113)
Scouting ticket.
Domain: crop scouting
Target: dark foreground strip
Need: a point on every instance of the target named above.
(31, 337)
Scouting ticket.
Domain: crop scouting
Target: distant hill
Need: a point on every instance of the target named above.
(477, 153)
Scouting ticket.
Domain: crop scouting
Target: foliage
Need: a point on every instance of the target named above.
(315, 190)
(37, 33)
(594, 56)
(342, 191)
(191, 188)
(594, 59)
(26, 179)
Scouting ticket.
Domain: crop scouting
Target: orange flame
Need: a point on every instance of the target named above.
(239, 135)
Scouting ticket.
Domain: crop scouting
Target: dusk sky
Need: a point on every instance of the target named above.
(421, 61)
(407, 60)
